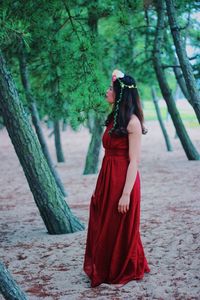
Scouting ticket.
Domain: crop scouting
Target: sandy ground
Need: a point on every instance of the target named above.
(50, 266)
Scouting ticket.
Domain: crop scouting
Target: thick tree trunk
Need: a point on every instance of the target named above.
(162, 125)
(8, 287)
(91, 164)
(183, 59)
(57, 139)
(55, 212)
(189, 148)
(35, 116)
(90, 122)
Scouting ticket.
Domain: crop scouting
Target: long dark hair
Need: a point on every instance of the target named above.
(127, 102)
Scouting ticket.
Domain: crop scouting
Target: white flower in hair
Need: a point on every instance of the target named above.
(117, 74)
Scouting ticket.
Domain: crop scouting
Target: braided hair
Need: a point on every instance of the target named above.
(126, 103)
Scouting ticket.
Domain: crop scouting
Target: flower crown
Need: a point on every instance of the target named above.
(116, 74)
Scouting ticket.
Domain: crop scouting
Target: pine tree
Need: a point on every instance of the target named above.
(55, 212)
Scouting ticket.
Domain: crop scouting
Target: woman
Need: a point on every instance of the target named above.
(114, 252)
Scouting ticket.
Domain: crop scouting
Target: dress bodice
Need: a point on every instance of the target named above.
(114, 145)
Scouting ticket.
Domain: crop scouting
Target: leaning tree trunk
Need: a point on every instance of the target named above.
(55, 212)
(57, 139)
(35, 116)
(91, 164)
(180, 79)
(183, 59)
(189, 148)
(8, 287)
(162, 125)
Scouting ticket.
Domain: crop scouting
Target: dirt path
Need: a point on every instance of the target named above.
(50, 267)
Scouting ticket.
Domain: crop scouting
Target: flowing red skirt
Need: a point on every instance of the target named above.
(114, 252)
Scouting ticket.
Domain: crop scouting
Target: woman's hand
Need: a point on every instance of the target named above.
(123, 205)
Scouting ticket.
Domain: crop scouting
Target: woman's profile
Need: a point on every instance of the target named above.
(114, 252)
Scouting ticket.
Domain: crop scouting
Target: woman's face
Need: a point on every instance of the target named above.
(110, 94)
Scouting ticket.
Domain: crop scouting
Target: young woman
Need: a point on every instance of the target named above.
(114, 252)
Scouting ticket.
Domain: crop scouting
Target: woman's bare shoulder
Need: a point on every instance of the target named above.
(134, 124)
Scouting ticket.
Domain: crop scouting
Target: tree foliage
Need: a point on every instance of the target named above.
(72, 46)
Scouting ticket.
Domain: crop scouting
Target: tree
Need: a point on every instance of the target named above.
(189, 148)
(91, 163)
(34, 112)
(55, 212)
(57, 139)
(180, 79)
(162, 125)
(183, 59)
(8, 287)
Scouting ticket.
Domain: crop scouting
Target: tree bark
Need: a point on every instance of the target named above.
(90, 122)
(191, 152)
(183, 59)
(35, 116)
(162, 125)
(180, 79)
(1, 125)
(64, 125)
(91, 164)
(8, 287)
(57, 139)
(55, 212)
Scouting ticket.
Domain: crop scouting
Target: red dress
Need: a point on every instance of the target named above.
(114, 252)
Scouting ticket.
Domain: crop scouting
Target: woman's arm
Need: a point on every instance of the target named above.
(135, 134)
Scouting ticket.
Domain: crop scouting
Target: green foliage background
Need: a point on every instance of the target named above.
(73, 46)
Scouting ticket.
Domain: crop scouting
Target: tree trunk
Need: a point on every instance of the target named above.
(183, 59)
(55, 212)
(35, 116)
(189, 148)
(8, 287)
(57, 139)
(162, 125)
(1, 125)
(91, 165)
(49, 124)
(180, 79)
(64, 125)
(90, 122)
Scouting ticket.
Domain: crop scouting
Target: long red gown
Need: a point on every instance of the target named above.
(114, 252)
